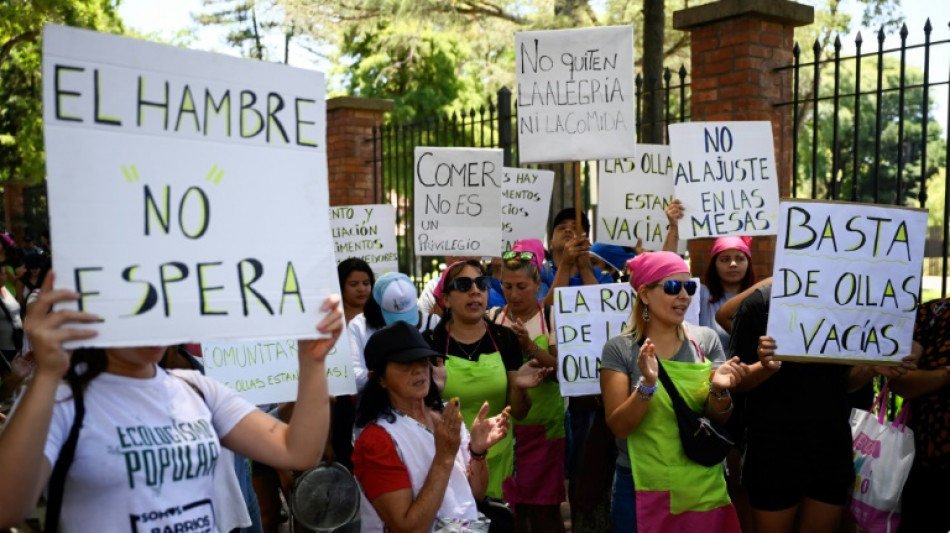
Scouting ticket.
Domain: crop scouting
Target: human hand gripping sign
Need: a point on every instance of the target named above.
(316, 350)
(48, 330)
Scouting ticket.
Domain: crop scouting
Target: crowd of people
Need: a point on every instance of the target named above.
(458, 423)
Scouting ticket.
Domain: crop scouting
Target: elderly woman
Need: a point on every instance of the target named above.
(673, 492)
(420, 470)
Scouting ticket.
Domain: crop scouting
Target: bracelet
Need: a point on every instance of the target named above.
(477, 456)
(720, 395)
(645, 393)
(727, 409)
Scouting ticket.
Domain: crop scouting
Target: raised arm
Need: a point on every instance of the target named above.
(299, 444)
(24, 466)
(624, 410)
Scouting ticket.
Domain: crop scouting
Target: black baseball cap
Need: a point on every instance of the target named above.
(568, 214)
(398, 342)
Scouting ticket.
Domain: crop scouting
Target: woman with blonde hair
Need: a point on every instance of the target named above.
(673, 493)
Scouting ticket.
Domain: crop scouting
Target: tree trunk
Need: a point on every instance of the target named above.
(654, 21)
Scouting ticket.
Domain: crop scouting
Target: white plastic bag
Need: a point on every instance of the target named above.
(883, 454)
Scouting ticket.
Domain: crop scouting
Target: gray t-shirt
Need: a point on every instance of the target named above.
(620, 355)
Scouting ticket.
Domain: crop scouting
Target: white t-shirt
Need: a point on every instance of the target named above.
(146, 453)
(360, 333)
(426, 300)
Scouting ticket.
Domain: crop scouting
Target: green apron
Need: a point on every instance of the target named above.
(547, 404)
(657, 459)
(474, 382)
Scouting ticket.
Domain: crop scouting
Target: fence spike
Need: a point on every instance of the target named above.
(837, 43)
(682, 73)
(816, 49)
(880, 36)
(927, 26)
(667, 75)
(858, 39)
(904, 31)
(797, 50)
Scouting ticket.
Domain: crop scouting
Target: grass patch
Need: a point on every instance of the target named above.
(929, 294)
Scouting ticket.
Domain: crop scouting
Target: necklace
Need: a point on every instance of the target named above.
(468, 355)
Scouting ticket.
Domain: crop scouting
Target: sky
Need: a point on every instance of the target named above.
(166, 17)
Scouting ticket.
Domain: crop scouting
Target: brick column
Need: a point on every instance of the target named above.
(735, 47)
(350, 124)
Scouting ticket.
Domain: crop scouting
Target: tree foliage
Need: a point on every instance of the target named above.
(21, 27)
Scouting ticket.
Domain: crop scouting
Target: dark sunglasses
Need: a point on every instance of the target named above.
(464, 284)
(673, 287)
(522, 256)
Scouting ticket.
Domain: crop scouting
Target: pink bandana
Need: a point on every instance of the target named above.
(534, 246)
(651, 267)
(440, 286)
(732, 243)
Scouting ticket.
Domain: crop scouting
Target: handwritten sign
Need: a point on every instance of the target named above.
(457, 202)
(633, 196)
(586, 317)
(267, 371)
(728, 181)
(176, 182)
(575, 94)
(367, 232)
(846, 281)
(526, 199)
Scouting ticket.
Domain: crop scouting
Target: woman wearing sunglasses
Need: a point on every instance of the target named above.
(483, 360)
(673, 492)
(537, 488)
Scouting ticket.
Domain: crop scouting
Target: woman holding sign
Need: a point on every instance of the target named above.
(149, 440)
(483, 360)
(673, 493)
(537, 488)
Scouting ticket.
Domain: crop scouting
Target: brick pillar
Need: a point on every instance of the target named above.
(735, 46)
(350, 163)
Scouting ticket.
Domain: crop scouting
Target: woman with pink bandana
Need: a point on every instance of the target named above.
(536, 489)
(673, 493)
(729, 272)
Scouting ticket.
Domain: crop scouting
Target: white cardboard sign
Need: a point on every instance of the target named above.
(634, 193)
(846, 283)
(457, 201)
(367, 232)
(526, 199)
(586, 317)
(180, 184)
(727, 181)
(267, 371)
(575, 94)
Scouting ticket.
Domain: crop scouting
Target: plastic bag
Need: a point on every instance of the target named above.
(883, 454)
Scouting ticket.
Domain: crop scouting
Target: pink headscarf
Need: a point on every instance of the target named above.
(732, 243)
(534, 246)
(651, 267)
(440, 286)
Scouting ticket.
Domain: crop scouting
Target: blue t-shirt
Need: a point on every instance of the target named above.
(549, 271)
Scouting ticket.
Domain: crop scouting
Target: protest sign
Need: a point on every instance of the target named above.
(633, 194)
(575, 94)
(179, 184)
(586, 317)
(846, 283)
(457, 201)
(367, 232)
(725, 177)
(526, 199)
(264, 372)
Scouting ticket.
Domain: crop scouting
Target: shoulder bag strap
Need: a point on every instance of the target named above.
(57, 481)
(671, 389)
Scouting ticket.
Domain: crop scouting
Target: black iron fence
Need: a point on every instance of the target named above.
(864, 129)
(494, 125)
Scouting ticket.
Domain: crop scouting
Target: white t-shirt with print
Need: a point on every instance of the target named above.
(146, 453)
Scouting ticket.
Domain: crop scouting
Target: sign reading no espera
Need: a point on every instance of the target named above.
(188, 191)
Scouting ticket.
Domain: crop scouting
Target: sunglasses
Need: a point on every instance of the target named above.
(464, 284)
(521, 256)
(673, 287)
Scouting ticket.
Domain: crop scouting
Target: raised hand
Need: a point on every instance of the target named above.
(729, 374)
(647, 363)
(447, 430)
(317, 349)
(485, 432)
(48, 329)
(674, 211)
(531, 374)
(766, 353)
